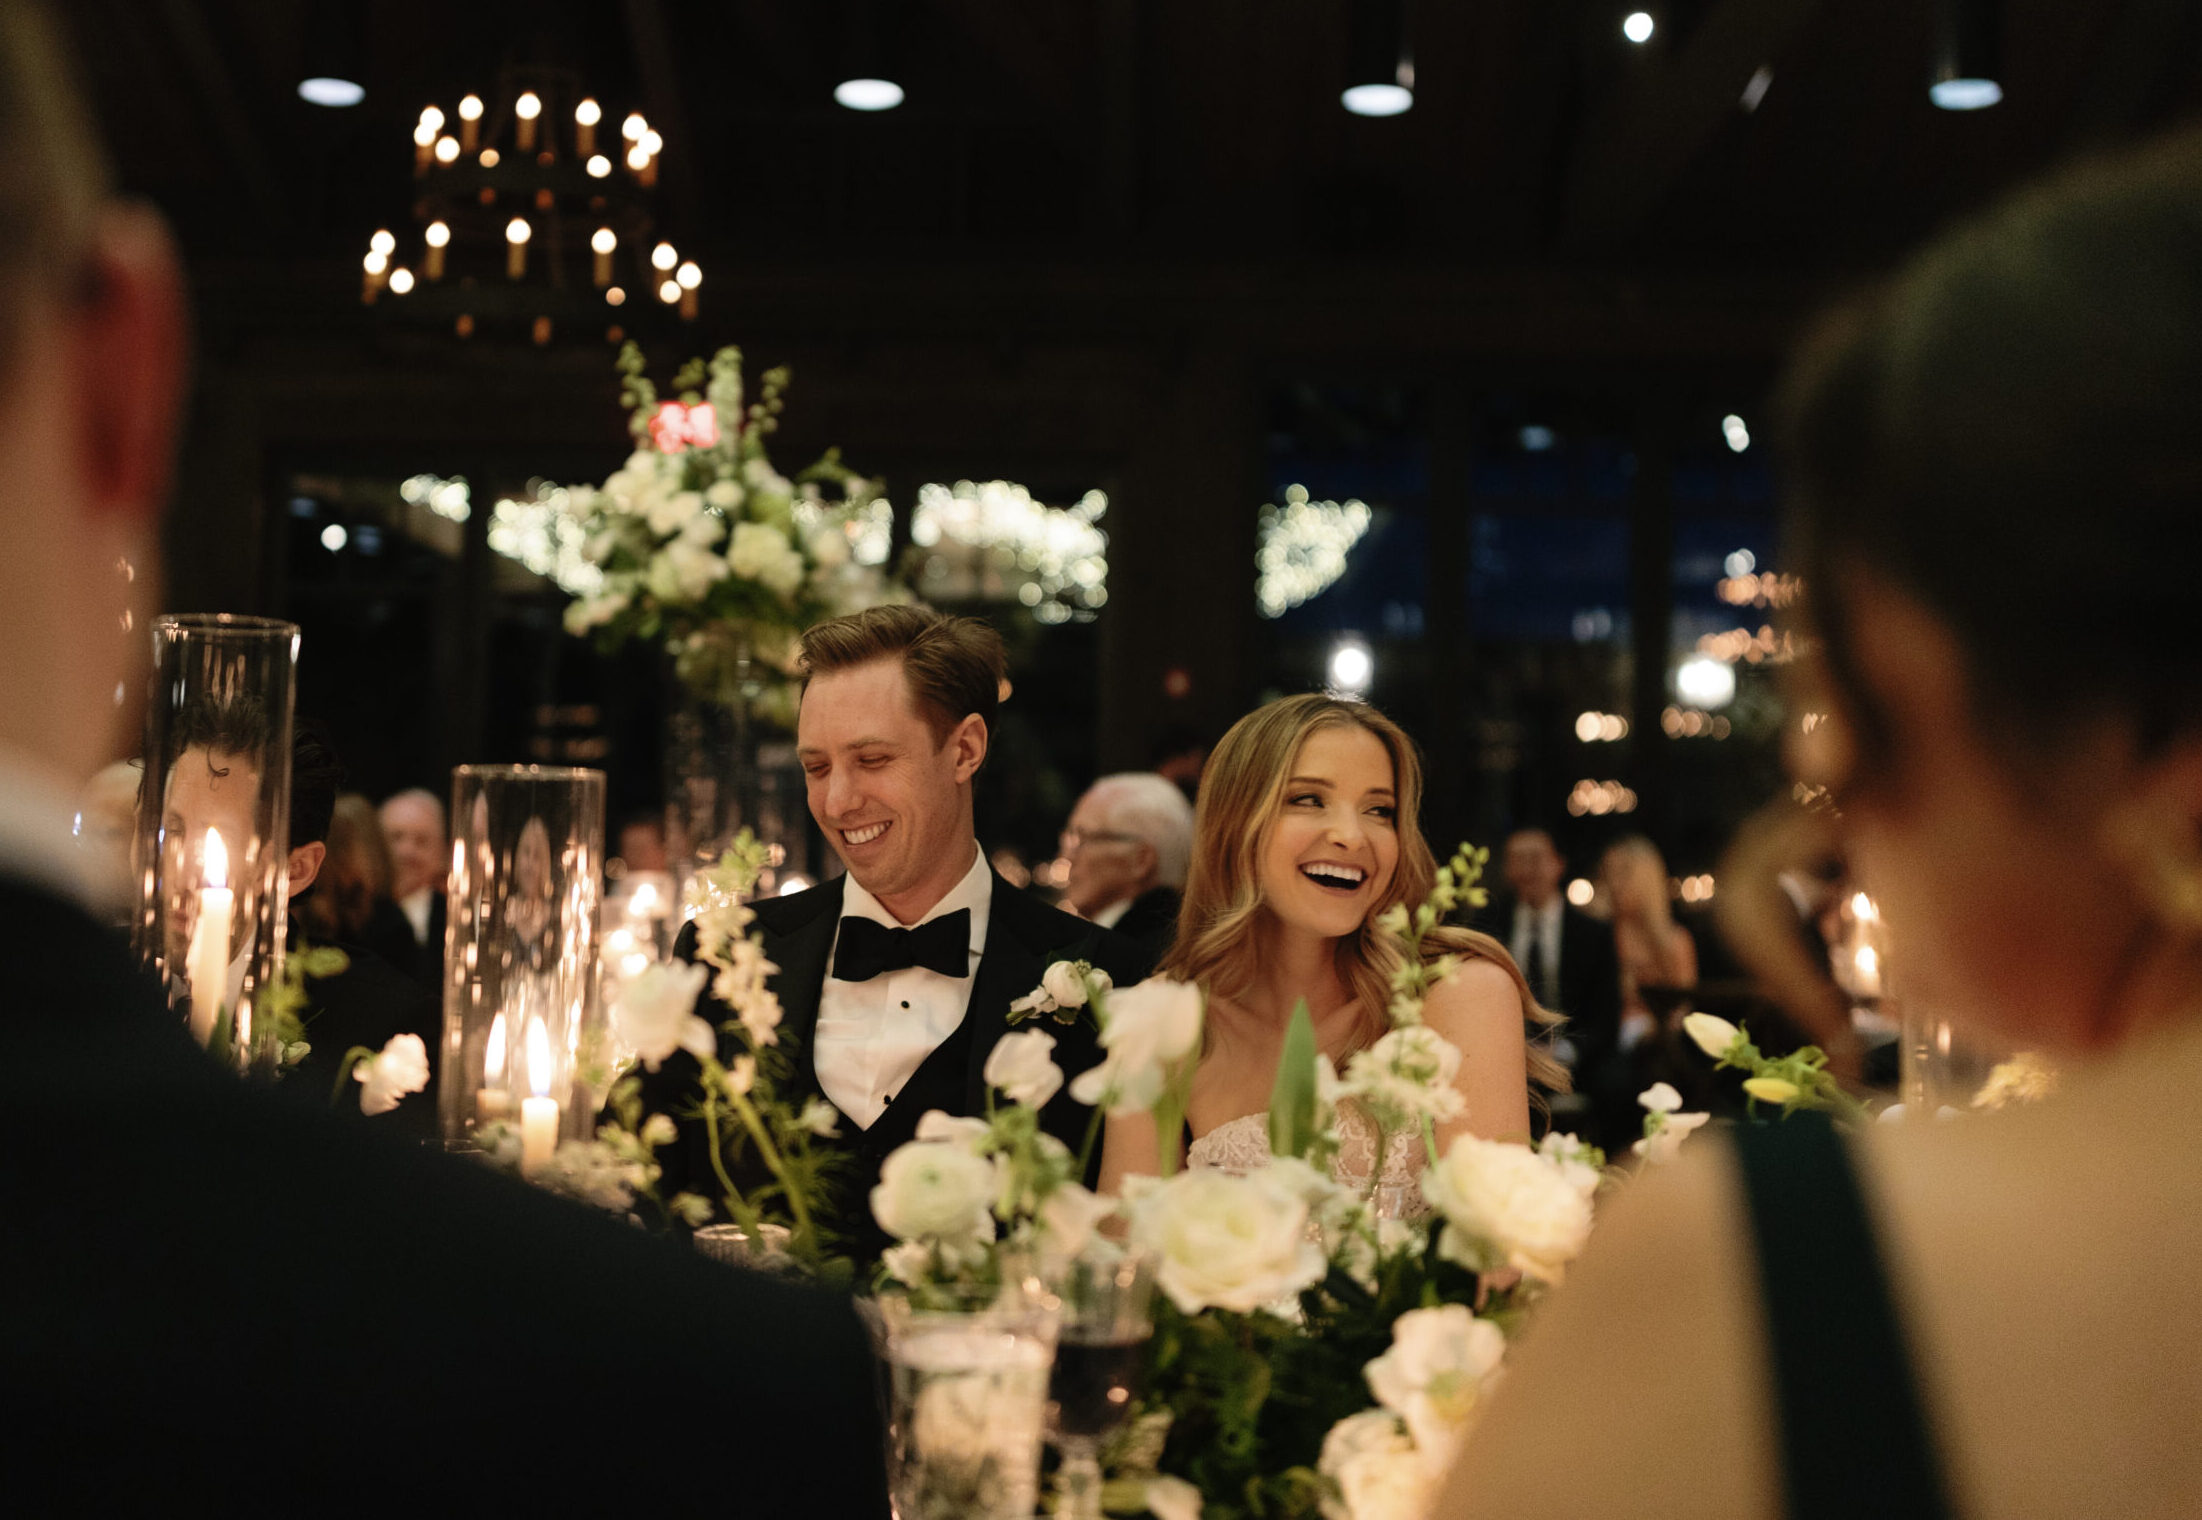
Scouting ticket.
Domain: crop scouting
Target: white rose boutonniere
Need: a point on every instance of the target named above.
(655, 1014)
(400, 1068)
(1022, 1070)
(1063, 990)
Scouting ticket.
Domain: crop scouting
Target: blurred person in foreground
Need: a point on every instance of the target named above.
(228, 1302)
(1128, 843)
(1995, 481)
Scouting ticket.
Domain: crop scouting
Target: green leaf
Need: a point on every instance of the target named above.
(1292, 1100)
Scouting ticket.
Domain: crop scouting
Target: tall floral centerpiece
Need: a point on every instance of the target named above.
(701, 547)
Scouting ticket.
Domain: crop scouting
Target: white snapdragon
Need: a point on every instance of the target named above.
(935, 1126)
(1407, 1077)
(1227, 1242)
(1507, 1206)
(1435, 1373)
(654, 1014)
(931, 1190)
(1665, 1126)
(401, 1067)
(1713, 1035)
(1022, 1070)
(1149, 1029)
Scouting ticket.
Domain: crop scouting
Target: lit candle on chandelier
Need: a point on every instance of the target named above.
(438, 238)
(689, 277)
(524, 111)
(651, 145)
(517, 233)
(207, 965)
(424, 146)
(470, 123)
(538, 1114)
(602, 245)
(585, 117)
(493, 1099)
(377, 268)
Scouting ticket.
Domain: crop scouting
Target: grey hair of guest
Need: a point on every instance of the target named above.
(1152, 810)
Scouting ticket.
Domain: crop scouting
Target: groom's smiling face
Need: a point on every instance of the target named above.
(890, 791)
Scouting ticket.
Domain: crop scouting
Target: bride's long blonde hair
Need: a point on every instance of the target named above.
(1241, 792)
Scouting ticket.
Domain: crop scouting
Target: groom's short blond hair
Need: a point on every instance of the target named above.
(955, 665)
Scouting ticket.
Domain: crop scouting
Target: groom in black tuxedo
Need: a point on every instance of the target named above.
(895, 981)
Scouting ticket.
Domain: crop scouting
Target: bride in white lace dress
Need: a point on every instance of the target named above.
(1306, 832)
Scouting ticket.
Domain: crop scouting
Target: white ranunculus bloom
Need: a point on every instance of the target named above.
(1507, 1206)
(1663, 1144)
(1021, 1069)
(401, 1068)
(1065, 981)
(1148, 1030)
(1660, 1098)
(1227, 1242)
(1407, 1076)
(655, 1014)
(934, 1191)
(954, 1129)
(1435, 1372)
(1713, 1035)
(1380, 1475)
(1170, 1498)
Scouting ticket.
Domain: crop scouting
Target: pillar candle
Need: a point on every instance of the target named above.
(207, 965)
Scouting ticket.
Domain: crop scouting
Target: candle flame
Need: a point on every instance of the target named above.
(217, 860)
(493, 1060)
(1861, 906)
(1869, 961)
(539, 1058)
(645, 900)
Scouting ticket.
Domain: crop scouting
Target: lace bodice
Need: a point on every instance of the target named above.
(1242, 1144)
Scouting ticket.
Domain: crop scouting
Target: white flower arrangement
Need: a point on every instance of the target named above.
(385, 1078)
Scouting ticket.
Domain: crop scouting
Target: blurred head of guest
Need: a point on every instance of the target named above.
(642, 842)
(1129, 835)
(355, 879)
(898, 711)
(316, 773)
(420, 850)
(1533, 866)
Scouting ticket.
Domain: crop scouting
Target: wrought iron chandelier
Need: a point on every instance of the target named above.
(533, 215)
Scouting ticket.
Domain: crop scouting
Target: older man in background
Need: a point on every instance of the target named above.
(420, 859)
(1129, 842)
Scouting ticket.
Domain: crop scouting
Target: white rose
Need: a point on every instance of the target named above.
(1172, 1499)
(1505, 1205)
(1065, 982)
(1380, 1476)
(1021, 1069)
(1407, 1076)
(952, 1129)
(726, 495)
(655, 1014)
(1227, 1242)
(1713, 1035)
(1148, 1029)
(1435, 1373)
(928, 1190)
(401, 1068)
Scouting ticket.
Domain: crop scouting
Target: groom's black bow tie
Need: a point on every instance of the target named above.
(870, 949)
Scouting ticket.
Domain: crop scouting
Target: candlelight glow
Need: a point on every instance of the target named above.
(528, 106)
(588, 113)
(424, 135)
(447, 150)
(539, 1058)
(383, 242)
(637, 160)
(217, 859)
(599, 166)
(604, 241)
(1863, 908)
(438, 234)
(375, 262)
(663, 257)
(470, 109)
(669, 292)
(493, 1059)
(489, 158)
(517, 230)
(401, 280)
(651, 144)
(1869, 964)
(615, 297)
(689, 277)
(634, 126)
(432, 119)
(645, 900)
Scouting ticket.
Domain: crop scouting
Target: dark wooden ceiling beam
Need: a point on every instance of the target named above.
(1640, 142)
(655, 66)
(185, 25)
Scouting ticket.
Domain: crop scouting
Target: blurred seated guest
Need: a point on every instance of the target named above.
(1657, 954)
(642, 842)
(1128, 843)
(420, 861)
(336, 868)
(212, 1263)
(1180, 755)
(1995, 505)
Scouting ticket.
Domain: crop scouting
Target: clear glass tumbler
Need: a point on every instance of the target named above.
(967, 1396)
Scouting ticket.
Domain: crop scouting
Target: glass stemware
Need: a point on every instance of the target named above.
(1106, 1317)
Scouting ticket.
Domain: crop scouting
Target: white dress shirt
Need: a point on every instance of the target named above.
(37, 843)
(872, 1036)
(416, 906)
(1113, 914)
(1544, 923)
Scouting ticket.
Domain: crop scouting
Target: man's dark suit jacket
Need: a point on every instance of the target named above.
(1590, 979)
(1151, 920)
(1024, 936)
(221, 1300)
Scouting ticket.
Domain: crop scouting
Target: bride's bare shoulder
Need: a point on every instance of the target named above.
(1478, 989)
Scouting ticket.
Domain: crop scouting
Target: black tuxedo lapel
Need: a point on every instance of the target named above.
(800, 948)
(1013, 967)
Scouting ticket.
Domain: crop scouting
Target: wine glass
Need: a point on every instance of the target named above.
(1107, 1313)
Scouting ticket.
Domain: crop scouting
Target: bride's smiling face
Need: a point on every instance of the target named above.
(1334, 843)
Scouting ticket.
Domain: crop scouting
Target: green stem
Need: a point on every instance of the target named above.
(1093, 1133)
(798, 1205)
(1429, 1138)
(745, 1214)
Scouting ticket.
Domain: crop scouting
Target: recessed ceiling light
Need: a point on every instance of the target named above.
(1638, 26)
(336, 93)
(868, 94)
(1378, 99)
(1965, 94)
